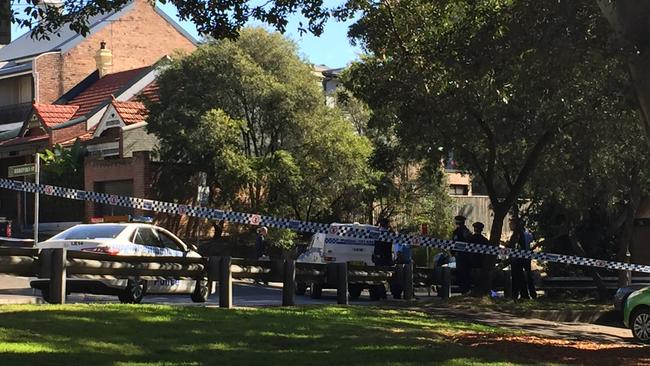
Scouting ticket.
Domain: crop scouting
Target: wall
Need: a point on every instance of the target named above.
(137, 139)
(477, 208)
(48, 70)
(139, 38)
(137, 168)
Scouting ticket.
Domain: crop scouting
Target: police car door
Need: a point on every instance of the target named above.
(151, 245)
(172, 244)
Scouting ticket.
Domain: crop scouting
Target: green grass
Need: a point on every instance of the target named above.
(100, 334)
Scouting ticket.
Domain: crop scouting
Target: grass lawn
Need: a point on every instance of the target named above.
(101, 334)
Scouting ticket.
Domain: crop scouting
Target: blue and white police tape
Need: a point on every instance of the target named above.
(353, 231)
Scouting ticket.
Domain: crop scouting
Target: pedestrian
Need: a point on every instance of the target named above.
(523, 286)
(463, 268)
(261, 245)
(382, 253)
(528, 272)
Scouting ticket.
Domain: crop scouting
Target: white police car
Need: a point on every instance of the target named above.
(132, 239)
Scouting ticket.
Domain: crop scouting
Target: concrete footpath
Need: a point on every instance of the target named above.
(569, 331)
(16, 290)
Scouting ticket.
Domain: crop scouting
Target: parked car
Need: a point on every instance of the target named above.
(636, 314)
(333, 248)
(622, 294)
(132, 239)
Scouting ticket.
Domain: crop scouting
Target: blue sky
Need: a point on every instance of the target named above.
(332, 48)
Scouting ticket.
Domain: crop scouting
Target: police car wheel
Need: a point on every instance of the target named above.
(355, 291)
(200, 293)
(316, 290)
(45, 293)
(301, 288)
(377, 292)
(134, 292)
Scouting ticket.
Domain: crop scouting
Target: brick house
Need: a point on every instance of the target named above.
(120, 156)
(54, 92)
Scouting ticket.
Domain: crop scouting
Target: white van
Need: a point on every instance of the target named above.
(335, 248)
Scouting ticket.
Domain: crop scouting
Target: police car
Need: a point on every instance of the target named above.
(115, 239)
(334, 248)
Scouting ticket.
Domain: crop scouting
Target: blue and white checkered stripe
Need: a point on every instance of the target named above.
(312, 227)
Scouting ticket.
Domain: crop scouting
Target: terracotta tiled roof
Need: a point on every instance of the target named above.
(130, 112)
(150, 93)
(102, 89)
(24, 140)
(53, 114)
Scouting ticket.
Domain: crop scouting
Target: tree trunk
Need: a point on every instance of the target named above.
(500, 213)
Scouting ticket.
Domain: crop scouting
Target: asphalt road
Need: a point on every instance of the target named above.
(245, 294)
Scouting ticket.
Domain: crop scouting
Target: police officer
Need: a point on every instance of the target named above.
(476, 261)
(463, 266)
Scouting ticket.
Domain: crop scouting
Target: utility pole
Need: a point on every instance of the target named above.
(36, 196)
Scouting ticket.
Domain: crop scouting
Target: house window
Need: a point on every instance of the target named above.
(458, 190)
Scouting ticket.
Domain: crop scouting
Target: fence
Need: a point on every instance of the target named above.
(58, 264)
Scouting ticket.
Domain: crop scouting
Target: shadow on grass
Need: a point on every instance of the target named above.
(101, 335)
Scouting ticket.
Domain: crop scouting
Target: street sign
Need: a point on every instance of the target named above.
(22, 170)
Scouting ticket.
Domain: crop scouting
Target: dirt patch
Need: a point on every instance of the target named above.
(537, 349)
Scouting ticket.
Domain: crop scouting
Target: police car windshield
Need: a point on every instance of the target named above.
(91, 232)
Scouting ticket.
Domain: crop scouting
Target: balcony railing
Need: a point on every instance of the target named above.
(14, 112)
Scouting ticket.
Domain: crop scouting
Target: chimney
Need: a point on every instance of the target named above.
(5, 22)
(104, 60)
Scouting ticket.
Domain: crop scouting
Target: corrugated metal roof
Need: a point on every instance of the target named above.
(8, 68)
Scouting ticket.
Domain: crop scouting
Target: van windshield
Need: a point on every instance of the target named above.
(91, 232)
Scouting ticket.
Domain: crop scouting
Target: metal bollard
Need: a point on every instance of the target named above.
(58, 276)
(289, 283)
(342, 283)
(225, 283)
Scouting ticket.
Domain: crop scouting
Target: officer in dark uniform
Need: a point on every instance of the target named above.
(476, 261)
(463, 265)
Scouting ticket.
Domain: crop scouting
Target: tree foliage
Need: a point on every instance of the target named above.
(219, 19)
(496, 82)
(252, 116)
(409, 190)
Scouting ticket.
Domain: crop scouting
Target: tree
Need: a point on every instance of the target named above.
(494, 82)
(596, 179)
(407, 189)
(251, 115)
(63, 167)
(498, 117)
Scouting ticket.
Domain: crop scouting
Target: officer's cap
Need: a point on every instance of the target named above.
(478, 225)
(460, 219)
